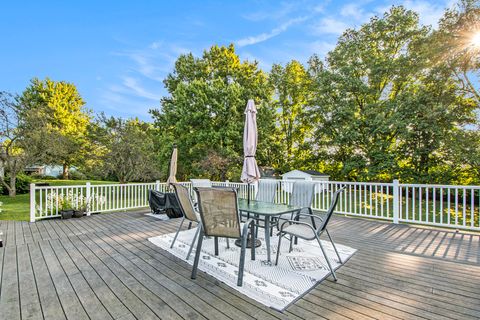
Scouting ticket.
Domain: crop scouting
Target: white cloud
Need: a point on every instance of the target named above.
(353, 10)
(267, 35)
(429, 12)
(136, 88)
(330, 26)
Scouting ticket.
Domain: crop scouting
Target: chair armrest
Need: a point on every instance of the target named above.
(309, 215)
(246, 225)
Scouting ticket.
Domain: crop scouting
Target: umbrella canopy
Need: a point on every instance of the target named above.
(250, 172)
(173, 167)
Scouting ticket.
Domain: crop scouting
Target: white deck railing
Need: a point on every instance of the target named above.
(438, 205)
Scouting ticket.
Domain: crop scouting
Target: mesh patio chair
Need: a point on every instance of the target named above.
(267, 189)
(199, 183)
(302, 196)
(189, 212)
(220, 218)
(306, 231)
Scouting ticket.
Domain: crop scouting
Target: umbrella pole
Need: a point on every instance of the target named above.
(248, 193)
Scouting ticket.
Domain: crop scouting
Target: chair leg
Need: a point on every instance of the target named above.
(197, 255)
(334, 247)
(326, 258)
(215, 239)
(193, 242)
(278, 247)
(189, 225)
(253, 239)
(242, 259)
(290, 249)
(228, 243)
(176, 234)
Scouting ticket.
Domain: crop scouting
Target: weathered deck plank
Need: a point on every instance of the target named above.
(104, 267)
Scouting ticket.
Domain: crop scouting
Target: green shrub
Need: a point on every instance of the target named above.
(22, 184)
(77, 175)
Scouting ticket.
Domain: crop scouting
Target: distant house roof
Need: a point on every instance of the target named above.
(315, 173)
(308, 172)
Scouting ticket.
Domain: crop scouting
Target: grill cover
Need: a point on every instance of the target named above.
(164, 203)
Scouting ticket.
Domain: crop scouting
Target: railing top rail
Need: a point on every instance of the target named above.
(452, 186)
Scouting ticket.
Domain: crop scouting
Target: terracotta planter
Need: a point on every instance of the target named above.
(66, 214)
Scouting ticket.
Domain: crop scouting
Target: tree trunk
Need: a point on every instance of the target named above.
(65, 173)
(12, 191)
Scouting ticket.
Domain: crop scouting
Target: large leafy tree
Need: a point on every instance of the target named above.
(456, 45)
(20, 140)
(383, 110)
(123, 149)
(292, 85)
(65, 117)
(204, 113)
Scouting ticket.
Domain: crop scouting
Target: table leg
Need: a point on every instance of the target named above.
(267, 237)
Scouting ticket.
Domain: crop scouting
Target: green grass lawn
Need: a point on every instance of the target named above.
(18, 208)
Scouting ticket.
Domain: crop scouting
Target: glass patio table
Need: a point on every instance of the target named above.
(265, 211)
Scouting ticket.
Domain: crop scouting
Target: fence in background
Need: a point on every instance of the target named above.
(438, 205)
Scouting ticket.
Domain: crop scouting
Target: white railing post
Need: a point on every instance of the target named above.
(88, 196)
(157, 185)
(396, 201)
(32, 202)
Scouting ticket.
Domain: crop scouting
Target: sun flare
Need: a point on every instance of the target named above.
(475, 40)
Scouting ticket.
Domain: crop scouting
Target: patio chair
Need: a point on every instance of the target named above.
(203, 183)
(302, 196)
(220, 218)
(306, 231)
(267, 189)
(189, 212)
(199, 183)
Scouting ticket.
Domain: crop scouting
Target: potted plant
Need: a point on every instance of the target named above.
(80, 207)
(66, 208)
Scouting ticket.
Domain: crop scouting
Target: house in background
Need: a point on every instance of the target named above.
(46, 170)
(304, 175)
(307, 175)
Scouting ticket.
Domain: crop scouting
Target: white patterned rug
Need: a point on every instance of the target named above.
(162, 216)
(274, 286)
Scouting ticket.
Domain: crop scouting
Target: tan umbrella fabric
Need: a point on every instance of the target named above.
(173, 167)
(250, 172)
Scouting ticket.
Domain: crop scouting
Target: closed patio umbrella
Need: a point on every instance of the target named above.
(173, 167)
(250, 172)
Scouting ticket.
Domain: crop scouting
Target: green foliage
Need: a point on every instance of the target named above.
(22, 184)
(65, 118)
(204, 113)
(123, 150)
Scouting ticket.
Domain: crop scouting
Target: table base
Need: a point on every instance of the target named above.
(258, 243)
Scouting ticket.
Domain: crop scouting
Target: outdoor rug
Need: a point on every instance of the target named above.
(163, 217)
(274, 286)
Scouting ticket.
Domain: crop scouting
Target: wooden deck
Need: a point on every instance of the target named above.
(103, 267)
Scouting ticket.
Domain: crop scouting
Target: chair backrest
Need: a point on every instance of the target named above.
(267, 189)
(302, 194)
(219, 212)
(331, 209)
(203, 183)
(185, 202)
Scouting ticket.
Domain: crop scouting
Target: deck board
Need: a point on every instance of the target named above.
(104, 267)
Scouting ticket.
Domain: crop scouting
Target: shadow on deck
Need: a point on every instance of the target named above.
(103, 267)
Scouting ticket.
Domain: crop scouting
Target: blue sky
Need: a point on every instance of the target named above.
(118, 52)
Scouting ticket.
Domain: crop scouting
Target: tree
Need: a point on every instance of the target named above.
(204, 112)
(456, 44)
(382, 109)
(20, 145)
(66, 119)
(292, 85)
(125, 149)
